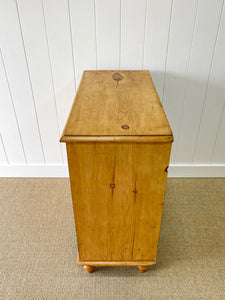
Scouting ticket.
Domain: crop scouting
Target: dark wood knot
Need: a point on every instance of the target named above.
(117, 77)
(112, 185)
(166, 169)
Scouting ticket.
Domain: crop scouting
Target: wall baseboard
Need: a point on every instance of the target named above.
(196, 171)
(62, 171)
(34, 171)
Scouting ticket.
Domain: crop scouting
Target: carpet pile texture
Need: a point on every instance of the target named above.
(38, 245)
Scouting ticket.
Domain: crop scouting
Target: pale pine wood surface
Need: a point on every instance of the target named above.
(118, 145)
(143, 263)
(118, 193)
(125, 139)
(102, 105)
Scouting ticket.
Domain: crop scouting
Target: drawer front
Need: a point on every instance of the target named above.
(118, 193)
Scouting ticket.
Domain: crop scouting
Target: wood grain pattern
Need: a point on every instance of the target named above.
(117, 180)
(124, 139)
(143, 263)
(102, 105)
(119, 223)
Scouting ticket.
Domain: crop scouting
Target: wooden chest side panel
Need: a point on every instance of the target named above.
(151, 185)
(118, 193)
(103, 222)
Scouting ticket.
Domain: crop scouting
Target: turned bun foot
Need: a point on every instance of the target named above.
(89, 269)
(143, 269)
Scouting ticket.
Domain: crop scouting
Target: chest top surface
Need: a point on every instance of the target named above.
(117, 104)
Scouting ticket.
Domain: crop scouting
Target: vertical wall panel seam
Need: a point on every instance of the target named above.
(96, 48)
(144, 41)
(53, 85)
(186, 80)
(120, 37)
(217, 133)
(208, 79)
(30, 82)
(72, 48)
(167, 48)
(14, 109)
(3, 146)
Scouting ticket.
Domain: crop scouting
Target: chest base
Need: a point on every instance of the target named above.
(89, 266)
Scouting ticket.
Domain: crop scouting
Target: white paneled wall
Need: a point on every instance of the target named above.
(46, 44)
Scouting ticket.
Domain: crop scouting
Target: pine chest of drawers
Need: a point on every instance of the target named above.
(118, 144)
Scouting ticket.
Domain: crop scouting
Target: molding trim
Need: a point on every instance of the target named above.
(196, 171)
(62, 171)
(34, 171)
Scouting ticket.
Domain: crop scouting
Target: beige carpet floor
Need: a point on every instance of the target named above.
(38, 246)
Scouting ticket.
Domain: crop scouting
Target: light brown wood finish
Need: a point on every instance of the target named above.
(118, 176)
(119, 223)
(121, 139)
(89, 269)
(116, 263)
(101, 106)
(143, 269)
